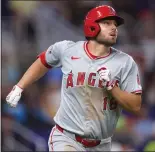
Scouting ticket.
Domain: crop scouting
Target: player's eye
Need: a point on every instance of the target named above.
(106, 22)
(115, 24)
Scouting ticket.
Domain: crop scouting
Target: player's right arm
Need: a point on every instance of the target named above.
(34, 72)
(48, 59)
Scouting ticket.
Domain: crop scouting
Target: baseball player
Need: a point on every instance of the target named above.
(98, 81)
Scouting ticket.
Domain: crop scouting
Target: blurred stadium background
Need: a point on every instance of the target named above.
(30, 27)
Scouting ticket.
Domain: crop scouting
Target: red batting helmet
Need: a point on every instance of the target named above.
(91, 27)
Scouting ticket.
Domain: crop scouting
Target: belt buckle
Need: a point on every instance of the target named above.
(90, 142)
(82, 142)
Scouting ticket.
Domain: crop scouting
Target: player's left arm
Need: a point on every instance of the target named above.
(128, 94)
(128, 101)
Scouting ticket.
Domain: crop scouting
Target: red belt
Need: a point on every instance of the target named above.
(85, 142)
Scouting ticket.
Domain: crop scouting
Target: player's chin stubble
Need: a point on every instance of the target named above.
(107, 43)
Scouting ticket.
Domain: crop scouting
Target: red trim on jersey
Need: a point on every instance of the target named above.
(90, 55)
(43, 60)
(53, 130)
(137, 91)
(85, 48)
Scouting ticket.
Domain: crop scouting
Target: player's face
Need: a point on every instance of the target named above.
(108, 33)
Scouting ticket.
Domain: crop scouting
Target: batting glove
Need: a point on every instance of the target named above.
(105, 76)
(14, 96)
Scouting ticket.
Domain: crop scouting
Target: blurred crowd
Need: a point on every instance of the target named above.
(30, 27)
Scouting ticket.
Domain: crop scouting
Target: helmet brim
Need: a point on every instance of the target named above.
(118, 19)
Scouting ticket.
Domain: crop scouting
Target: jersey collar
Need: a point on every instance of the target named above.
(90, 55)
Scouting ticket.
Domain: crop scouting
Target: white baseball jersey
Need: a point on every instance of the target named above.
(86, 107)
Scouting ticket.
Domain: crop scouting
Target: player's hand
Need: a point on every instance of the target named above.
(14, 96)
(105, 76)
(104, 73)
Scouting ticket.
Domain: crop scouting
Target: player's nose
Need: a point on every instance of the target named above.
(114, 26)
(114, 29)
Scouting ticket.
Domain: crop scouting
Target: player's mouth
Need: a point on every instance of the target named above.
(113, 34)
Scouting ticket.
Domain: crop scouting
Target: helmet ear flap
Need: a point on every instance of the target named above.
(91, 29)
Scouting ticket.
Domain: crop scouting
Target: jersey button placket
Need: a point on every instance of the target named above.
(87, 97)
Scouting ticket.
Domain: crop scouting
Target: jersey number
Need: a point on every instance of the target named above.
(112, 103)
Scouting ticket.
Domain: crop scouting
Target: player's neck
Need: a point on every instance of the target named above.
(98, 49)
